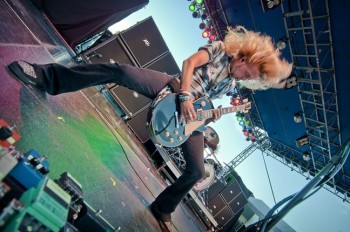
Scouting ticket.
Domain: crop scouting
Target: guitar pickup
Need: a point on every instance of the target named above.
(176, 114)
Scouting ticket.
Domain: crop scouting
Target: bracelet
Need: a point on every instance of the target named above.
(183, 92)
(183, 98)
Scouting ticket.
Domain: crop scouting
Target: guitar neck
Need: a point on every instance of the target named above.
(207, 114)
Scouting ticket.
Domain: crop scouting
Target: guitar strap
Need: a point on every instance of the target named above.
(174, 84)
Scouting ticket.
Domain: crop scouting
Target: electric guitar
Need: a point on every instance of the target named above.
(165, 127)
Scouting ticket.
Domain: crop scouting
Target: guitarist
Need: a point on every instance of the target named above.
(244, 56)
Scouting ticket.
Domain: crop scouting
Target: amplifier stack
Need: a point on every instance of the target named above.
(226, 203)
(142, 46)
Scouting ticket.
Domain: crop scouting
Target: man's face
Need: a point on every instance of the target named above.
(241, 70)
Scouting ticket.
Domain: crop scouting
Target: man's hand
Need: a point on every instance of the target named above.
(217, 114)
(187, 112)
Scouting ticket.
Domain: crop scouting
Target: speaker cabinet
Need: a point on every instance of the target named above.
(90, 220)
(215, 189)
(231, 191)
(216, 204)
(138, 125)
(144, 42)
(131, 102)
(165, 64)
(223, 217)
(110, 50)
(142, 46)
(238, 203)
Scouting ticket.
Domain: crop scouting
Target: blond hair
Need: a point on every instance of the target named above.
(258, 49)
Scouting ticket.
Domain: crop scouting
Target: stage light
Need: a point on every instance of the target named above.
(241, 123)
(281, 43)
(269, 4)
(195, 14)
(246, 133)
(306, 156)
(302, 140)
(252, 138)
(204, 16)
(297, 117)
(291, 82)
(239, 114)
(192, 7)
(212, 37)
(199, 1)
(205, 34)
(202, 26)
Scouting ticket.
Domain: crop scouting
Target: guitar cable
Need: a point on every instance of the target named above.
(158, 132)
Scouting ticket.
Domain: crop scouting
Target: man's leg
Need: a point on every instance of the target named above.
(56, 79)
(192, 150)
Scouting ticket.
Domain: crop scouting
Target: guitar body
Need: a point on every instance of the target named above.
(164, 124)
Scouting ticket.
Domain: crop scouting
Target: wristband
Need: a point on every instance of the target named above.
(183, 98)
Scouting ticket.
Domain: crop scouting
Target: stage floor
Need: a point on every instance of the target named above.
(80, 132)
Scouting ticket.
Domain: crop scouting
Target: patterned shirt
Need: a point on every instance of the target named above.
(212, 80)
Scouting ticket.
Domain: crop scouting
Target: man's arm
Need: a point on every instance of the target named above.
(198, 59)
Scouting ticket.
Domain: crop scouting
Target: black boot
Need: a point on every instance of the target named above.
(26, 73)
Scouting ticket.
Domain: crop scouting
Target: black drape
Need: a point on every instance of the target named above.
(77, 20)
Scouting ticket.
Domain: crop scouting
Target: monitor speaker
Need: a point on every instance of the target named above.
(131, 102)
(144, 42)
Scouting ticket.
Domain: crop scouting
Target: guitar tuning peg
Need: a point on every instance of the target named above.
(248, 106)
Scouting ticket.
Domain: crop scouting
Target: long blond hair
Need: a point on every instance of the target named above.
(258, 49)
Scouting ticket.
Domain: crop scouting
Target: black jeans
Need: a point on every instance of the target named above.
(59, 79)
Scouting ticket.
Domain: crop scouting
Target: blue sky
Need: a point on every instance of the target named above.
(323, 212)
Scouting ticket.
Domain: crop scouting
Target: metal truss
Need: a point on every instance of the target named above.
(308, 29)
(308, 33)
(218, 16)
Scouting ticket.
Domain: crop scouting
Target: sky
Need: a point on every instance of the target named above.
(324, 211)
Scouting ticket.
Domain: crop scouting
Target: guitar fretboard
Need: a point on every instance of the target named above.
(206, 114)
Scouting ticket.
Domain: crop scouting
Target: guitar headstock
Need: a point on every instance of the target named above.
(247, 105)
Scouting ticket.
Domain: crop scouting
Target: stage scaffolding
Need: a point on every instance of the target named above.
(308, 34)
